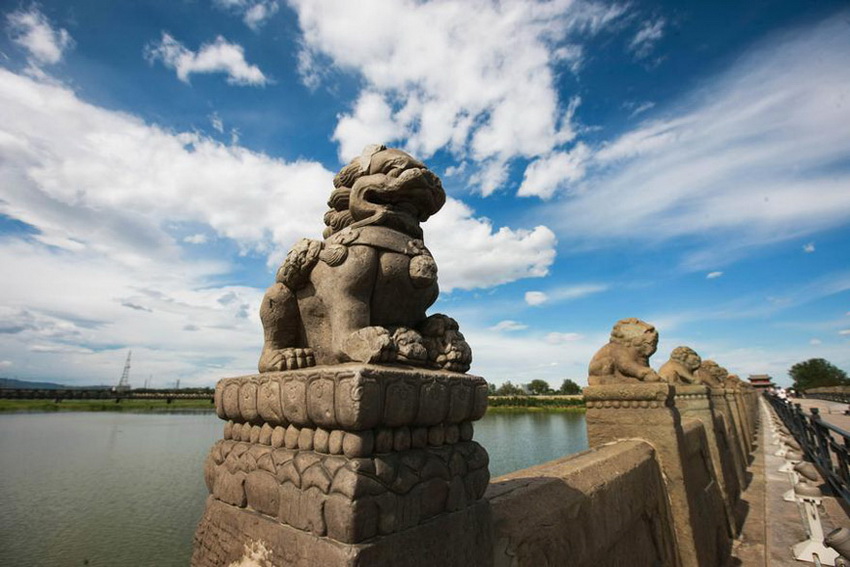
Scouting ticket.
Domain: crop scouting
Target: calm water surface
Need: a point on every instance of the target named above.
(109, 489)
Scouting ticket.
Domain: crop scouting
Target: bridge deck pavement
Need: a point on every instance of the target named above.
(771, 525)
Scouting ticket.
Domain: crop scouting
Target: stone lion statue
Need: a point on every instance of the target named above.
(626, 356)
(712, 374)
(680, 369)
(362, 292)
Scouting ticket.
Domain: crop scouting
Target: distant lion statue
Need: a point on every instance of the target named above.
(626, 356)
(361, 293)
(712, 374)
(682, 366)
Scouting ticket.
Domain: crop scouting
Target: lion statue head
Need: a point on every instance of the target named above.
(385, 187)
(687, 357)
(636, 334)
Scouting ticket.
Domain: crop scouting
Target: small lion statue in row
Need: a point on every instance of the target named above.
(626, 356)
(360, 295)
(682, 367)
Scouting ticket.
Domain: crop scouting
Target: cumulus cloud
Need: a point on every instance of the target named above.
(535, 298)
(508, 325)
(713, 275)
(101, 192)
(436, 77)
(545, 176)
(220, 56)
(809, 248)
(753, 156)
(471, 252)
(254, 13)
(32, 30)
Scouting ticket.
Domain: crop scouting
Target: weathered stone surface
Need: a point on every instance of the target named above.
(606, 506)
(228, 535)
(359, 425)
(682, 366)
(626, 356)
(272, 475)
(646, 411)
(361, 294)
(356, 396)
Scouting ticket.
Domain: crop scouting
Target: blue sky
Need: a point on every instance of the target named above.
(685, 163)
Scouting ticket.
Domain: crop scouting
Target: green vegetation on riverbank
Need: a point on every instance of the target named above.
(104, 405)
(519, 404)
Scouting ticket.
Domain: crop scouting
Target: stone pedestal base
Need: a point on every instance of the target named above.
(343, 465)
(231, 535)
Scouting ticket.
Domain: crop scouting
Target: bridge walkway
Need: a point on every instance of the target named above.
(771, 525)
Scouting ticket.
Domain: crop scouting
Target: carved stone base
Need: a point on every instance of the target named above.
(230, 535)
(349, 459)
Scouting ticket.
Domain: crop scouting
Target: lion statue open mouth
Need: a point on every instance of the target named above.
(361, 294)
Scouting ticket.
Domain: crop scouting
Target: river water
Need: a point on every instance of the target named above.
(124, 489)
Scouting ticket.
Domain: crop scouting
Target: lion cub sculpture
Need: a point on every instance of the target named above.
(360, 295)
(682, 367)
(626, 356)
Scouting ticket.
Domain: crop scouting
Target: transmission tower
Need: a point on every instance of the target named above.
(124, 383)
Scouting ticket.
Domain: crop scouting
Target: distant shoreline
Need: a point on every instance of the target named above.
(515, 405)
(21, 406)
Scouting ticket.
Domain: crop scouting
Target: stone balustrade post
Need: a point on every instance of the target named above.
(346, 465)
(694, 402)
(646, 411)
(726, 429)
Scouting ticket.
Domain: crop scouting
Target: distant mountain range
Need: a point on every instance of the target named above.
(14, 384)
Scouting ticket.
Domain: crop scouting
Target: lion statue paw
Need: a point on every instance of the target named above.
(287, 359)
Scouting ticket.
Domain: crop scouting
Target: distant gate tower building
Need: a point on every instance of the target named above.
(761, 381)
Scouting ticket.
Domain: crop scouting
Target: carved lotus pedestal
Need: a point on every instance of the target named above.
(347, 465)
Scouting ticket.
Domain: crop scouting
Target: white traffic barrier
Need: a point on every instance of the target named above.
(813, 548)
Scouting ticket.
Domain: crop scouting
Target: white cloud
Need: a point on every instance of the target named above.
(545, 176)
(471, 253)
(100, 269)
(254, 13)
(647, 36)
(751, 157)
(217, 123)
(535, 298)
(563, 293)
(809, 248)
(6, 364)
(713, 275)
(560, 338)
(198, 238)
(508, 325)
(219, 56)
(495, 355)
(31, 30)
(453, 74)
(844, 332)
(815, 342)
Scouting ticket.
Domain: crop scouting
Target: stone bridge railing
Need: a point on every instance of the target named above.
(321, 467)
